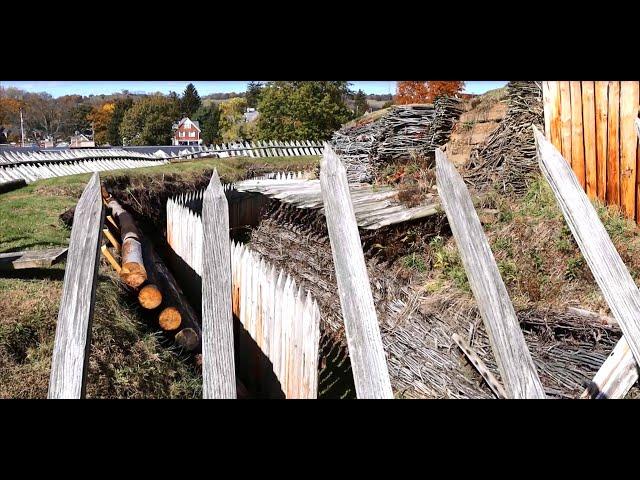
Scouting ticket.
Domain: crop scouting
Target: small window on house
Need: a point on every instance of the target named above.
(192, 134)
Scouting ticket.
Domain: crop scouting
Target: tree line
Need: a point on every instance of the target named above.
(288, 110)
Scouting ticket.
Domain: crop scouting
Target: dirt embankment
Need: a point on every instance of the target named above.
(482, 117)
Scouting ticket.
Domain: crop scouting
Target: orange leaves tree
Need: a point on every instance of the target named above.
(425, 91)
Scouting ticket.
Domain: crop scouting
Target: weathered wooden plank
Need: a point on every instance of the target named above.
(555, 104)
(565, 120)
(613, 278)
(73, 330)
(602, 108)
(617, 374)
(368, 361)
(507, 341)
(218, 368)
(613, 144)
(589, 128)
(32, 258)
(637, 123)
(628, 143)
(577, 137)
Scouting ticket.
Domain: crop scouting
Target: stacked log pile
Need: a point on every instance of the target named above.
(401, 132)
(507, 158)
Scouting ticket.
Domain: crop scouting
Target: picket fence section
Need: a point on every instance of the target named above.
(282, 318)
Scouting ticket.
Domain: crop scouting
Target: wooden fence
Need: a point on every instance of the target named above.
(592, 124)
(278, 342)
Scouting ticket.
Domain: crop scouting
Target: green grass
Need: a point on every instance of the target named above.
(29, 216)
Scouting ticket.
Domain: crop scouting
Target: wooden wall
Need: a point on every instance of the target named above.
(592, 124)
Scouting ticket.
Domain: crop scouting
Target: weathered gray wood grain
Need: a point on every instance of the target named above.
(370, 373)
(507, 341)
(493, 383)
(218, 368)
(73, 330)
(613, 278)
(32, 258)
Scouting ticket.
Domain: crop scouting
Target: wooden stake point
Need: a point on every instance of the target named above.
(150, 297)
(170, 319)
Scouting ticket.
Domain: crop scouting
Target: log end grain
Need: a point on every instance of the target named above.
(170, 319)
(133, 274)
(187, 338)
(150, 297)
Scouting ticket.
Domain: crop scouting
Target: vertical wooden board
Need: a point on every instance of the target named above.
(628, 143)
(589, 127)
(214, 248)
(73, 330)
(565, 120)
(555, 126)
(577, 134)
(277, 326)
(613, 144)
(638, 167)
(602, 108)
(546, 103)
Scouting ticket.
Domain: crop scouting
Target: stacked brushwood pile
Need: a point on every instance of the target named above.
(416, 327)
(401, 132)
(507, 159)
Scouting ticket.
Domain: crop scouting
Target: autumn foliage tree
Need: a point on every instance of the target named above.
(425, 91)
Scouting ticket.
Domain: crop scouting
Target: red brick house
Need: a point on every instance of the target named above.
(186, 132)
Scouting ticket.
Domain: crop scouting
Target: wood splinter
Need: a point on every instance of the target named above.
(112, 239)
(495, 386)
(107, 254)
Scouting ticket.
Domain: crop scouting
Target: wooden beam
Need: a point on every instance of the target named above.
(565, 120)
(628, 143)
(32, 258)
(617, 374)
(113, 223)
(112, 261)
(370, 373)
(613, 278)
(602, 108)
(495, 386)
(589, 128)
(73, 330)
(577, 136)
(111, 239)
(507, 341)
(613, 144)
(218, 367)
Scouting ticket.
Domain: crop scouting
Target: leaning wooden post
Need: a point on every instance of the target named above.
(368, 361)
(507, 341)
(613, 278)
(218, 368)
(73, 330)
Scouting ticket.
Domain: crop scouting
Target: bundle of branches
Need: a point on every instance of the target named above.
(507, 158)
(404, 130)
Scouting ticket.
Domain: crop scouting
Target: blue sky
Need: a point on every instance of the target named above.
(68, 87)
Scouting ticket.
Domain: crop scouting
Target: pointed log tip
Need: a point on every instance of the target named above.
(215, 186)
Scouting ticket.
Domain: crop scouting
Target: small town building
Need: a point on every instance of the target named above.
(80, 140)
(186, 132)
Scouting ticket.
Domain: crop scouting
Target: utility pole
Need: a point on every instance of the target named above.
(21, 128)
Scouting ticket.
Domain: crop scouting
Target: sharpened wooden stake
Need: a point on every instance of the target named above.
(218, 367)
(516, 366)
(111, 239)
(107, 254)
(370, 373)
(617, 286)
(113, 223)
(73, 330)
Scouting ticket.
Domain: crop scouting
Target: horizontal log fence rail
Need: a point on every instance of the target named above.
(255, 149)
(592, 124)
(281, 319)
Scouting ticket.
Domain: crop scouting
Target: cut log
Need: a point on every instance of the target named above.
(170, 319)
(172, 295)
(133, 272)
(188, 339)
(150, 297)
